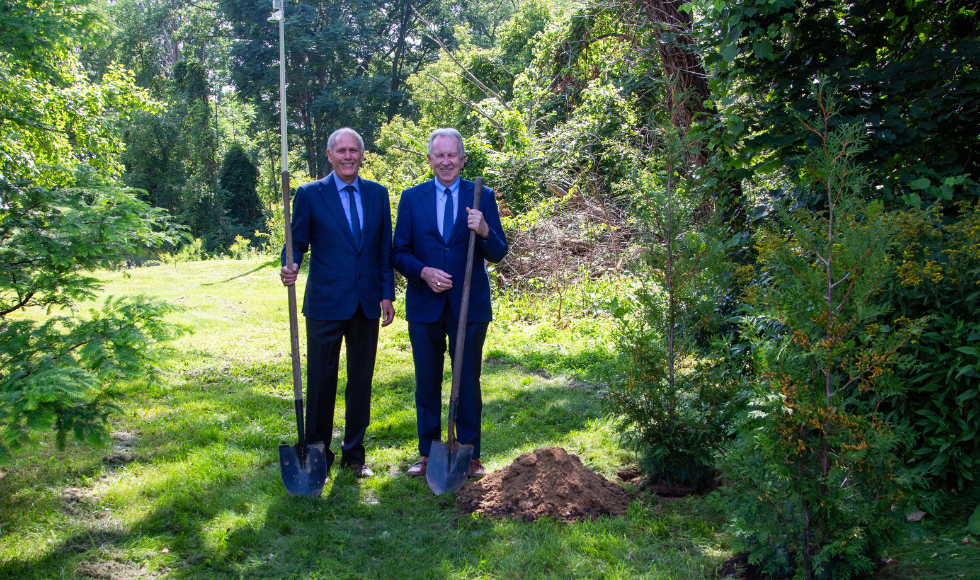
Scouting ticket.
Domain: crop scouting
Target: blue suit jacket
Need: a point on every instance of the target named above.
(341, 275)
(418, 243)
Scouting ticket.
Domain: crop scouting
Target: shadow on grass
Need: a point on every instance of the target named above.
(270, 263)
(206, 463)
(219, 509)
(590, 365)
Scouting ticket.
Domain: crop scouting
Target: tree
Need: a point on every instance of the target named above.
(63, 216)
(818, 467)
(237, 181)
(904, 68)
(346, 63)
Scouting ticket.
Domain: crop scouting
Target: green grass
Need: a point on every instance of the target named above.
(190, 488)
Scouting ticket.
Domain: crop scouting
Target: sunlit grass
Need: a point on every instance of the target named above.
(195, 492)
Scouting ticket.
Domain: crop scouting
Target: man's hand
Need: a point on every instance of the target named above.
(388, 312)
(437, 280)
(288, 275)
(475, 221)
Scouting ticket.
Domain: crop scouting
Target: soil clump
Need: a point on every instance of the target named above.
(548, 482)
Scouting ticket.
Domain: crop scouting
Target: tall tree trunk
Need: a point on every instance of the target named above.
(688, 81)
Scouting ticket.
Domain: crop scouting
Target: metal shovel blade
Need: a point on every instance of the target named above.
(447, 468)
(305, 477)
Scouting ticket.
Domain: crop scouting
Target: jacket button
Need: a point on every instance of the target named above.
(447, 249)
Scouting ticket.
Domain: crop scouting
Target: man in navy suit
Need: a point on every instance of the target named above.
(346, 223)
(430, 246)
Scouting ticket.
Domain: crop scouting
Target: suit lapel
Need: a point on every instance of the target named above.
(464, 199)
(367, 206)
(429, 206)
(328, 191)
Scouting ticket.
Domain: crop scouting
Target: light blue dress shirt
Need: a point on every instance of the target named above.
(344, 201)
(441, 199)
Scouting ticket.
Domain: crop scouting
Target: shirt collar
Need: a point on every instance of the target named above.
(440, 188)
(341, 185)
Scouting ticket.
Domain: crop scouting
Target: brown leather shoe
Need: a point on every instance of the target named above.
(360, 470)
(476, 469)
(418, 468)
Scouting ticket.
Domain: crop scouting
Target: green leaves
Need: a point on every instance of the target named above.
(62, 372)
(974, 524)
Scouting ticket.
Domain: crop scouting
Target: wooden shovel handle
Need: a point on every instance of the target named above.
(464, 306)
(293, 317)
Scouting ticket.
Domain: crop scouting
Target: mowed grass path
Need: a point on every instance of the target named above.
(190, 486)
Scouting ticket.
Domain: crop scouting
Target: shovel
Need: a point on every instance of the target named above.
(449, 462)
(303, 466)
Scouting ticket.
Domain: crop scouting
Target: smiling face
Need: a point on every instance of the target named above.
(346, 157)
(446, 159)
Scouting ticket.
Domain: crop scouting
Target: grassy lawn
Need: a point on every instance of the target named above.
(190, 486)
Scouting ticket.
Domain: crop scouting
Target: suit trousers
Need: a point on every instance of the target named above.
(428, 351)
(323, 338)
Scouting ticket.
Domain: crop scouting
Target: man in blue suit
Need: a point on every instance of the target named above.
(345, 222)
(430, 246)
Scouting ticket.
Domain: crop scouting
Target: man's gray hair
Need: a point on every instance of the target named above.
(332, 140)
(446, 133)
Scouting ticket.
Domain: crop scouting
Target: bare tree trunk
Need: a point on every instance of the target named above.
(688, 85)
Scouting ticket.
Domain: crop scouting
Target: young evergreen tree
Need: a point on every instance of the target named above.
(61, 218)
(819, 466)
(237, 181)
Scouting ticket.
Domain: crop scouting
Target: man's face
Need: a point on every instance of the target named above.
(446, 159)
(346, 157)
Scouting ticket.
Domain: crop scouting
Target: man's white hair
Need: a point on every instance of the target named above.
(446, 132)
(332, 140)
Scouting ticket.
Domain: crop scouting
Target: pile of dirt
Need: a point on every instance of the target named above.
(547, 482)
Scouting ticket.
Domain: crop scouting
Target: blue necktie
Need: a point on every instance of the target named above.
(447, 216)
(355, 223)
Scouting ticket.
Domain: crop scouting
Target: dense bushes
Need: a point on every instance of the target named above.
(939, 272)
(818, 467)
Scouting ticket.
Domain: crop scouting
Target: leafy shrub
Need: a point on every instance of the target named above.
(818, 466)
(675, 408)
(940, 271)
(58, 372)
(239, 250)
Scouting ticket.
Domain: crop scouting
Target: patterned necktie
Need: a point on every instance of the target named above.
(355, 223)
(447, 216)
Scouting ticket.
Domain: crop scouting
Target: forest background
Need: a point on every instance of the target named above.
(781, 197)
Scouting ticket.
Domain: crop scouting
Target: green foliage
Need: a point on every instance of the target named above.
(59, 371)
(678, 406)
(63, 217)
(939, 273)
(62, 372)
(905, 70)
(345, 63)
(818, 465)
(237, 182)
(53, 238)
(239, 250)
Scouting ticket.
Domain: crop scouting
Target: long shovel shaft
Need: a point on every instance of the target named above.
(464, 306)
(303, 467)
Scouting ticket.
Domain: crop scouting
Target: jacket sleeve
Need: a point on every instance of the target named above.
(384, 250)
(495, 246)
(403, 247)
(300, 227)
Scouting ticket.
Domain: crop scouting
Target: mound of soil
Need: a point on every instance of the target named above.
(546, 482)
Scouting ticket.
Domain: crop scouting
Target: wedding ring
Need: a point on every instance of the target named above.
(438, 283)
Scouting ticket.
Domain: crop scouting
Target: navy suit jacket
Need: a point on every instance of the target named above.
(342, 275)
(418, 243)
